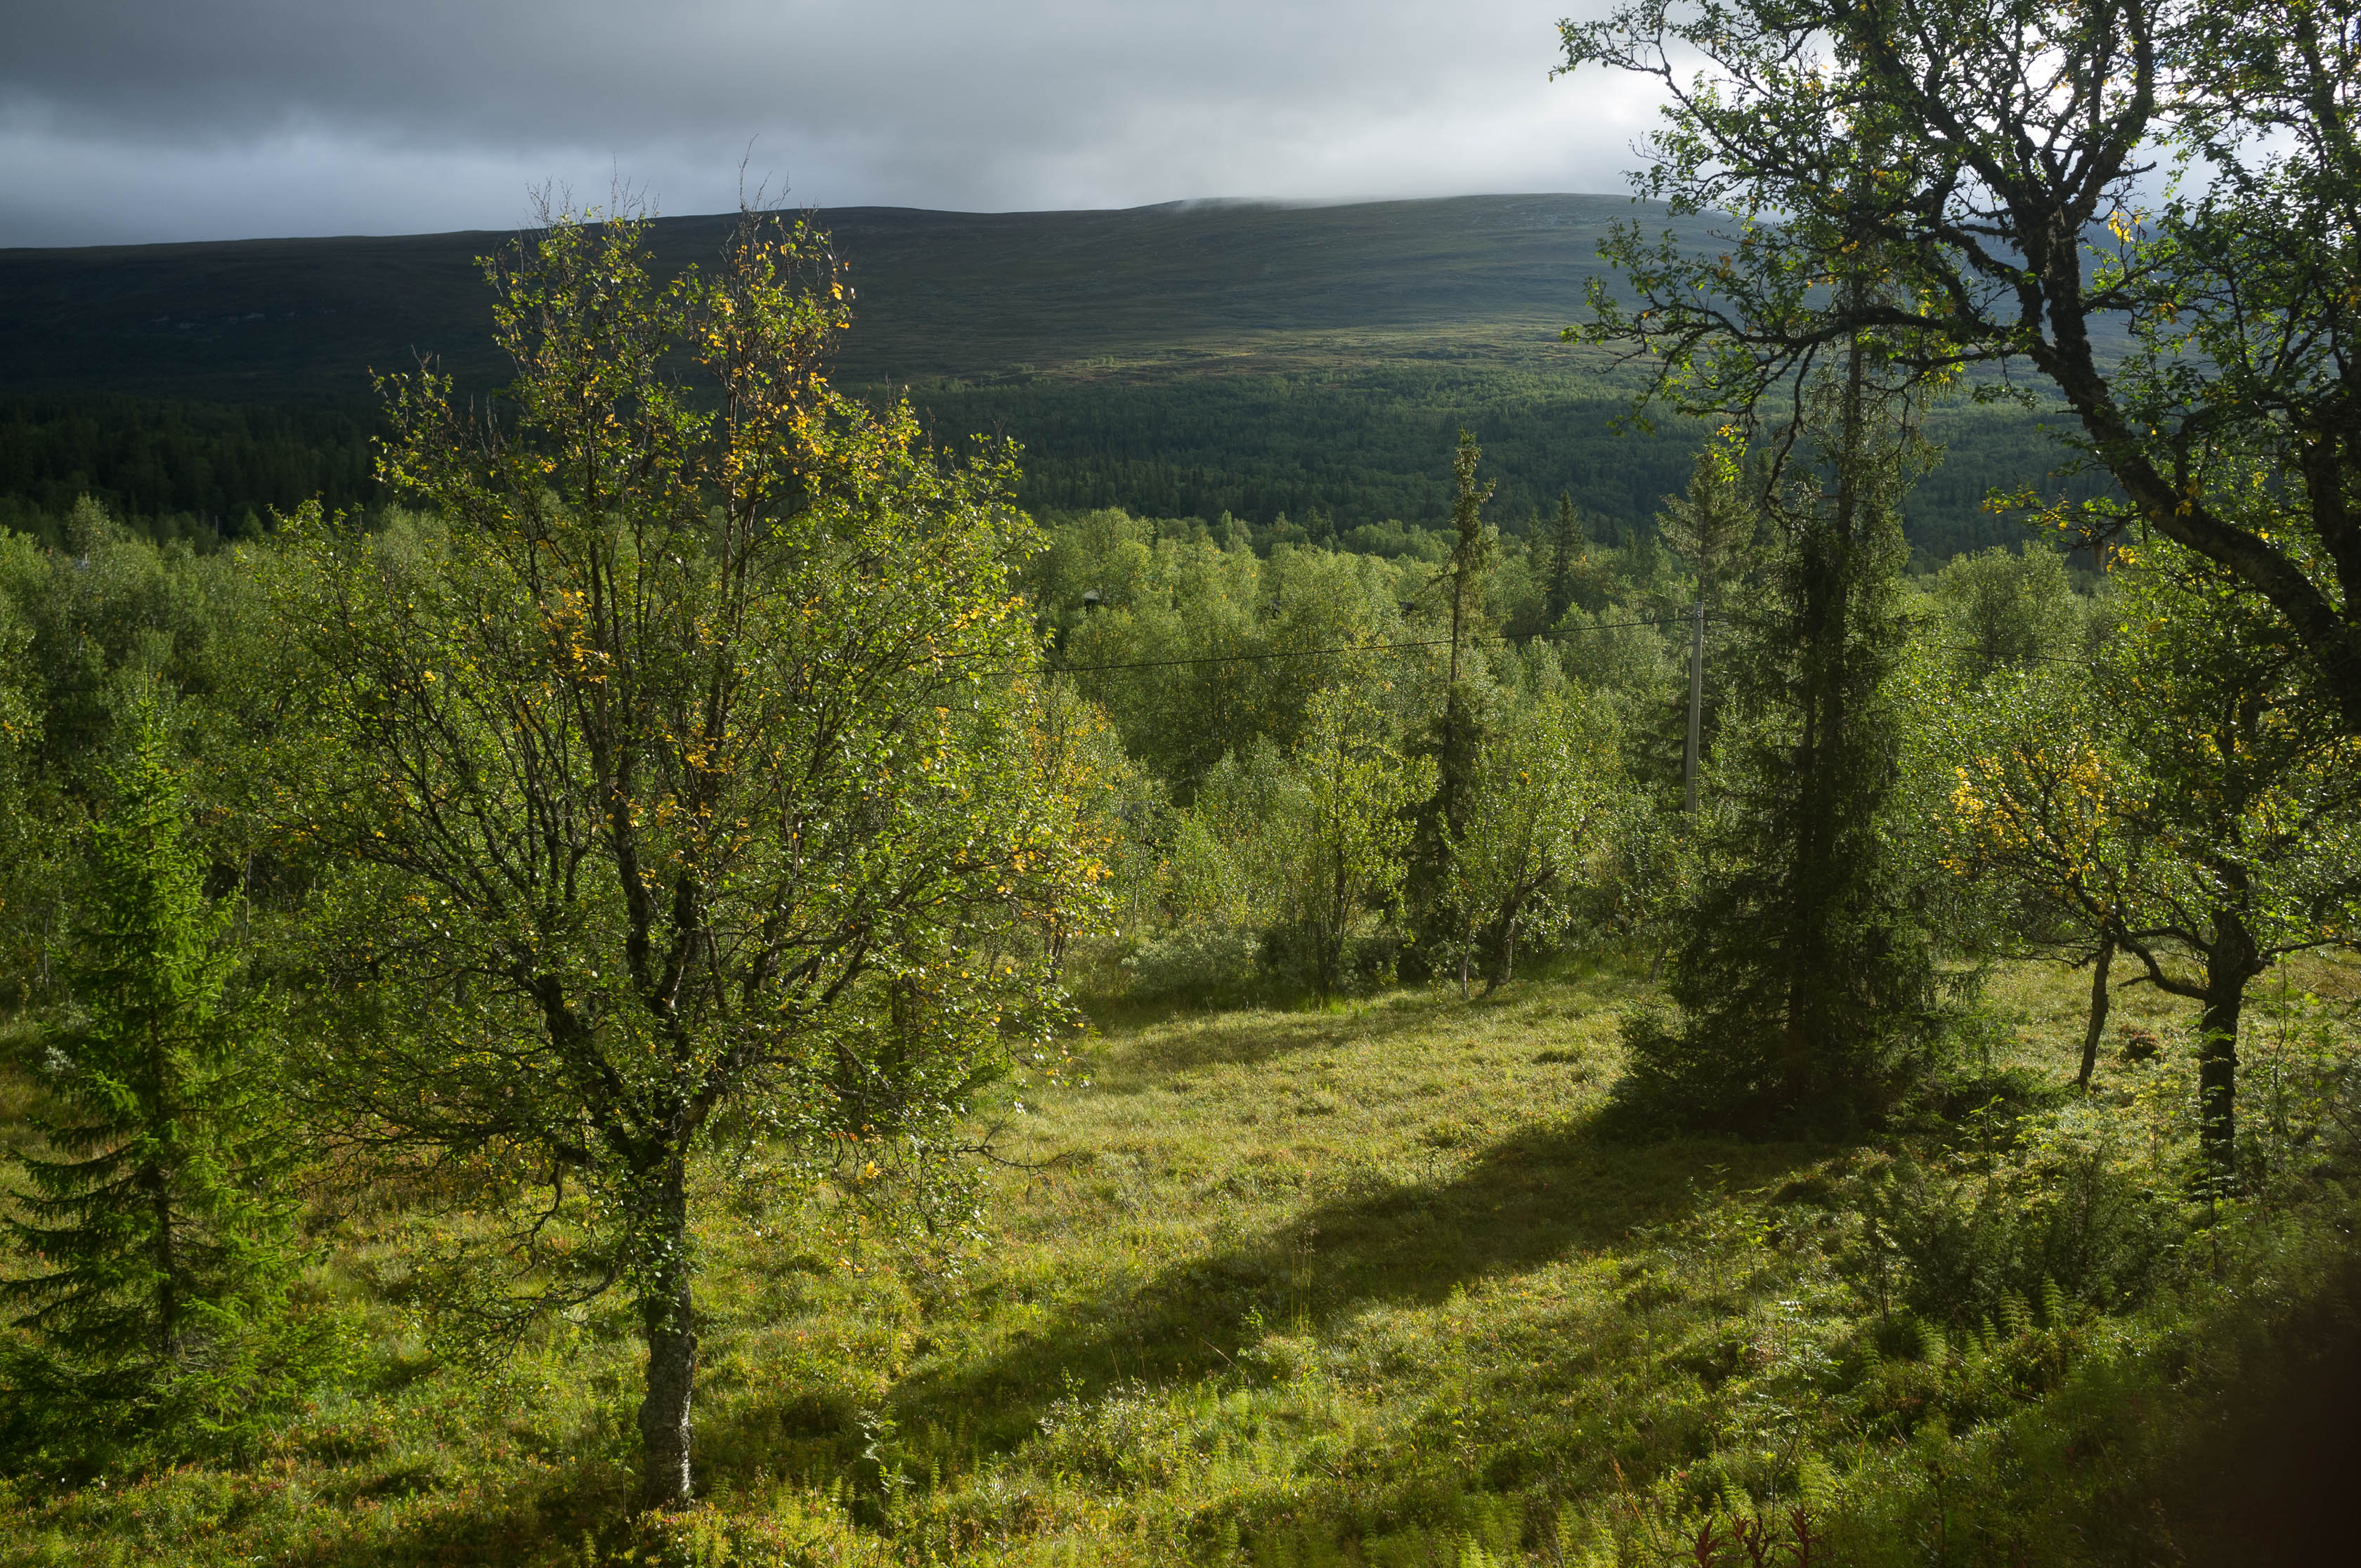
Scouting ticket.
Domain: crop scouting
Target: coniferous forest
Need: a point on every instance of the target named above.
(669, 964)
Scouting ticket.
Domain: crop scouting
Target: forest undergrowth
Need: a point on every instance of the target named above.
(1386, 1283)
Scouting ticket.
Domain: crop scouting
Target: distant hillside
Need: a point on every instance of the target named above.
(1184, 359)
(940, 293)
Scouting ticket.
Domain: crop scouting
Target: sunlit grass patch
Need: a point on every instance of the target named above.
(1371, 1285)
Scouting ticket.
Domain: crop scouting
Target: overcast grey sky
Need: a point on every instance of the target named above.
(137, 120)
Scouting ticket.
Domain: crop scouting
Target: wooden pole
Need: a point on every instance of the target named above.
(1697, 709)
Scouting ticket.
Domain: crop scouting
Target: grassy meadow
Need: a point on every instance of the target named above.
(1386, 1284)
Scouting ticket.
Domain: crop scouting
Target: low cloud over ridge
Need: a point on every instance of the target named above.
(140, 120)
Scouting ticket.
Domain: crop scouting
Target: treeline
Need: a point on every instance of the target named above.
(1341, 458)
(199, 471)
(1555, 757)
(1310, 455)
(1331, 449)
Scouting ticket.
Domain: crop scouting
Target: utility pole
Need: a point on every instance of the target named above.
(1697, 709)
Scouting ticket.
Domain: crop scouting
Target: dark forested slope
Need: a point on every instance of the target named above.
(1183, 360)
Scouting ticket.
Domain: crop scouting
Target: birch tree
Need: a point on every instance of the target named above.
(681, 760)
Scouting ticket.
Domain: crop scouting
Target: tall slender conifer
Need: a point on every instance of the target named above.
(149, 1219)
(1803, 978)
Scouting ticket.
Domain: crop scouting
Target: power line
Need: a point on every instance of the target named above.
(2036, 658)
(1686, 618)
(1912, 622)
(1343, 648)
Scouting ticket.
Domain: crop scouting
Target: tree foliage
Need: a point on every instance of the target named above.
(2194, 806)
(1193, 650)
(1341, 830)
(2010, 137)
(2002, 609)
(683, 763)
(1544, 789)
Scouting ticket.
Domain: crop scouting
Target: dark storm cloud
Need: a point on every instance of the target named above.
(140, 119)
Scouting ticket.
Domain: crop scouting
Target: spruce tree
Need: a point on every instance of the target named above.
(1457, 732)
(150, 1218)
(1710, 526)
(1465, 578)
(1565, 548)
(1801, 975)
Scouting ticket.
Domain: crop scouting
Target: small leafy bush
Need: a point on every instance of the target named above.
(1128, 1438)
(1197, 962)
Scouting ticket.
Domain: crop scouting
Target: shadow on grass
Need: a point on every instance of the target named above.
(1249, 1039)
(500, 1521)
(1540, 1195)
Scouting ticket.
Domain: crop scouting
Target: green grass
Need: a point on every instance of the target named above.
(1368, 1285)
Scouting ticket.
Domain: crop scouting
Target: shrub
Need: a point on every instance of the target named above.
(1972, 1252)
(1195, 962)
